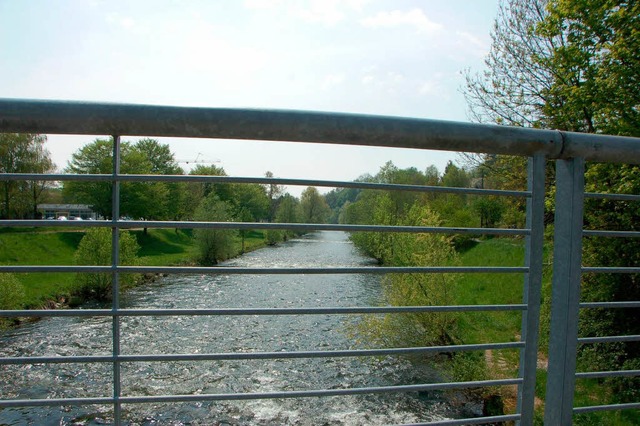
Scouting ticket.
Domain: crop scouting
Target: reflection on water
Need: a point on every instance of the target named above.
(217, 334)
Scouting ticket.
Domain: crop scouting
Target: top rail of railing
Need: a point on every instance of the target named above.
(72, 117)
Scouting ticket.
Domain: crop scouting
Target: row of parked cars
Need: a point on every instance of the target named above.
(67, 218)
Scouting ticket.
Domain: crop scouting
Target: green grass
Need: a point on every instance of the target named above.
(51, 246)
(494, 289)
(490, 289)
(505, 326)
(165, 247)
(26, 246)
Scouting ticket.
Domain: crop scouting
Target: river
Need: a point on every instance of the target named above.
(202, 334)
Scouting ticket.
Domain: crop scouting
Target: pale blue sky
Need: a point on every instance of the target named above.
(396, 57)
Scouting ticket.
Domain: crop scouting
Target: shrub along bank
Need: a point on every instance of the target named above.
(50, 246)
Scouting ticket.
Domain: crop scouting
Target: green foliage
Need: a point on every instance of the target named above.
(22, 153)
(146, 200)
(313, 207)
(214, 245)
(574, 65)
(11, 292)
(613, 252)
(288, 212)
(95, 249)
(11, 295)
(415, 329)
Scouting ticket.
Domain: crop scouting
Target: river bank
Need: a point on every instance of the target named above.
(52, 246)
(226, 334)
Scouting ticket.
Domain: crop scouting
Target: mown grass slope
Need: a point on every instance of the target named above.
(52, 246)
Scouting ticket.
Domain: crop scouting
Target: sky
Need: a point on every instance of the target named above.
(383, 57)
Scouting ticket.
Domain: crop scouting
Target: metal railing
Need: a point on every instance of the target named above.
(569, 149)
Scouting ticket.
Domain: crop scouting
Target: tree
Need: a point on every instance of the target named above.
(250, 204)
(197, 191)
(146, 200)
(313, 207)
(574, 65)
(416, 329)
(214, 245)
(287, 212)
(23, 153)
(274, 192)
(512, 88)
(95, 249)
(595, 80)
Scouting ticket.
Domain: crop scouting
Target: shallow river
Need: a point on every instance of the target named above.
(159, 335)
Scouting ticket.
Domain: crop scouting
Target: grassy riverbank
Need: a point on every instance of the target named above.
(51, 246)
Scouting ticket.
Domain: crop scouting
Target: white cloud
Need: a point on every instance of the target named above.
(332, 80)
(435, 87)
(262, 4)
(368, 79)
(327, 12)
(397, 18)
(125, 22)
(472, 43)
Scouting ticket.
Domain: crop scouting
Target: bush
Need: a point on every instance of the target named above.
(95, 249)
(11, 295)
(415, 329)
(214, 245)
(274, 236)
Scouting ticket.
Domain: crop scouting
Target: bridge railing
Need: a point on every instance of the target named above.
(569, 149)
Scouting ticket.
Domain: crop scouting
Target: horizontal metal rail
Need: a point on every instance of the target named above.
(471, 421)
(258, 395)
(609, 407)
(258, 311)
(615, 234)
(614, 305)
(130, 224)
(238, 356)
(610, 270)
(603, 374)
(616, 197)
(60, 117)
(609, 339)
(230, 270)
(258, 180)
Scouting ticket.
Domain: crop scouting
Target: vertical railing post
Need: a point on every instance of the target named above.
(115, 279)
(565, 292)
(534, 245)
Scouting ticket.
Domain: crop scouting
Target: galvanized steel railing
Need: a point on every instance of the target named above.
(567, 279)
(49, 117)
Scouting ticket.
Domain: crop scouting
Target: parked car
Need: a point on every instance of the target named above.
(62, 218)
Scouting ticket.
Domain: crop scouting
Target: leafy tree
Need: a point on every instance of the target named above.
(214, 245)
(95, 249)
(250, 204)
(338, 198)
(146, 200)
(455, 176)
(512, 88)
(416, 329)
(287, 212)
(197, 191)
(23, 153)
(92, 158)
(432, 176)
(169, 196)
(574, 65)
(313, 207)
(274, 192)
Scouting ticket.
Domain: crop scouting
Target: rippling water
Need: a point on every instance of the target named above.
(160, 335)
